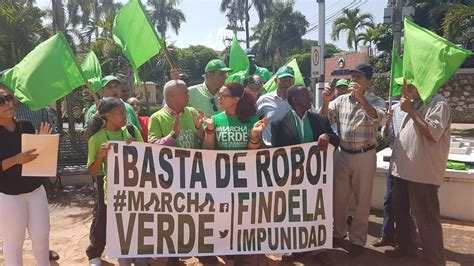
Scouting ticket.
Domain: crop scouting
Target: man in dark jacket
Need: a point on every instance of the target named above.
(299, 125)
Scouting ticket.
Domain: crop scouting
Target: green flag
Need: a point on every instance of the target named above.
(395, 72)
(238, 60)
(271, 84)
(429, 60)
(134, 33)
(92, 71)
(46, 74)
(239, 77)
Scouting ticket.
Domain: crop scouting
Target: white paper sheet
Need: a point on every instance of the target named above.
(46, 146)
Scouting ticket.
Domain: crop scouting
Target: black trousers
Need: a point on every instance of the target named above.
(98, 229)
(423, 201)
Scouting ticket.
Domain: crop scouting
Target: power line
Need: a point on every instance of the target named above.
(331, 18)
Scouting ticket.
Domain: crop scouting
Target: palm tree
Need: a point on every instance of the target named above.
(458, 23)
(164, 14)
(282, 29)
(367, 37)
(238, 10)
(21, 30)
(352, 21)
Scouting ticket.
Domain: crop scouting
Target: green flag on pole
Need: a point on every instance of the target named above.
(271, 84)
(428, 59)
(238, 60)
(46, 74)
(92, 70)
(134, 33)
(239, 77)
(395, 72)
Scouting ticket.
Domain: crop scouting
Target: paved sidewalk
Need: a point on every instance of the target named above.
(71, 217)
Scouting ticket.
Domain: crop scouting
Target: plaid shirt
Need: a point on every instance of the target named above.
(356, 129)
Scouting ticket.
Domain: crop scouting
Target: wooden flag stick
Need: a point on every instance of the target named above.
(96, 99)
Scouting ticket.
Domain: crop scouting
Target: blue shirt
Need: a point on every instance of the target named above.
(274, 108)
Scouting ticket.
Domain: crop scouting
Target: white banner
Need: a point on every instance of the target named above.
(168, 202)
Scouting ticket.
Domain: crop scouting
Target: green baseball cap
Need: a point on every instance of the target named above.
(107, 79)
(285, 71)
(216, 64)
(342, 82)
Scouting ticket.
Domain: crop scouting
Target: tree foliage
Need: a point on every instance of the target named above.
(21, 29)
(351, 22)
(282, 29)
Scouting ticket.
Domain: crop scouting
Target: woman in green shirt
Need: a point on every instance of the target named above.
(237, 127)
(105, 125)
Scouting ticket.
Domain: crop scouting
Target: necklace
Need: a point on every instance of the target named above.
(107, 135)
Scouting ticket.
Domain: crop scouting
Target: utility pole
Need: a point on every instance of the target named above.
(247, 18)
(393, 15)
(397, 24)
(321, 42)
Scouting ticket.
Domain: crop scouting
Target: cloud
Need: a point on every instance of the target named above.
(215, 40)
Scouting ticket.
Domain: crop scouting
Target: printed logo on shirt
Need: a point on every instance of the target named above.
(232, 136)
(186, 138)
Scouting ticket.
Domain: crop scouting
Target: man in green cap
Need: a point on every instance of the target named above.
(111, 87)
(342, 87)
(204, 96)
(274, 105)
(257, 70)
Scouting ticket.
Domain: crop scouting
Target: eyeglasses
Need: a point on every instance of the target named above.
(5, 99)
(213, 102)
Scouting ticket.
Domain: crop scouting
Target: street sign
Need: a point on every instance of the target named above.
(315, 61)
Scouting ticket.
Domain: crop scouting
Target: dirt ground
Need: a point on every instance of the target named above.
(71, 216)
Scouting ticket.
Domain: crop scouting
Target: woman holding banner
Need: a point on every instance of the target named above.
(23, 202)
(237, 127)
(108, 124)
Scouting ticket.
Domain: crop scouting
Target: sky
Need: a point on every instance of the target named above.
(205, 24)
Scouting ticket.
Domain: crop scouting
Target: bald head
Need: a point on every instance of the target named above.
(172, 86)
(176, 94)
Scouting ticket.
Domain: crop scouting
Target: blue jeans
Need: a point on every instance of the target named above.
(388, 229)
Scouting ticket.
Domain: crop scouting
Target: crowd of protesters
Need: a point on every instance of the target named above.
(200, 116)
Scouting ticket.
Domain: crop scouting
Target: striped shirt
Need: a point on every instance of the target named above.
(356, 129)
(393, 130)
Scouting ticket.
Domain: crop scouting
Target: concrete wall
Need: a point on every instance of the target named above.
(458, 91)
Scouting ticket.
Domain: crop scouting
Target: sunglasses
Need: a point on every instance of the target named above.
(5, 99)
(258, 82)
(213, 102)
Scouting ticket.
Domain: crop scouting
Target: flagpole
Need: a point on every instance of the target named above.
(167, 55)
(96, 99)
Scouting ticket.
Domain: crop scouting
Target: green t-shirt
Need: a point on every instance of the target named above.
(161, 124)
(102, 136)
(201, 99)
(131, 117)
(231, 134)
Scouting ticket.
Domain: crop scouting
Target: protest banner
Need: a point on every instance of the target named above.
(168, 202)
